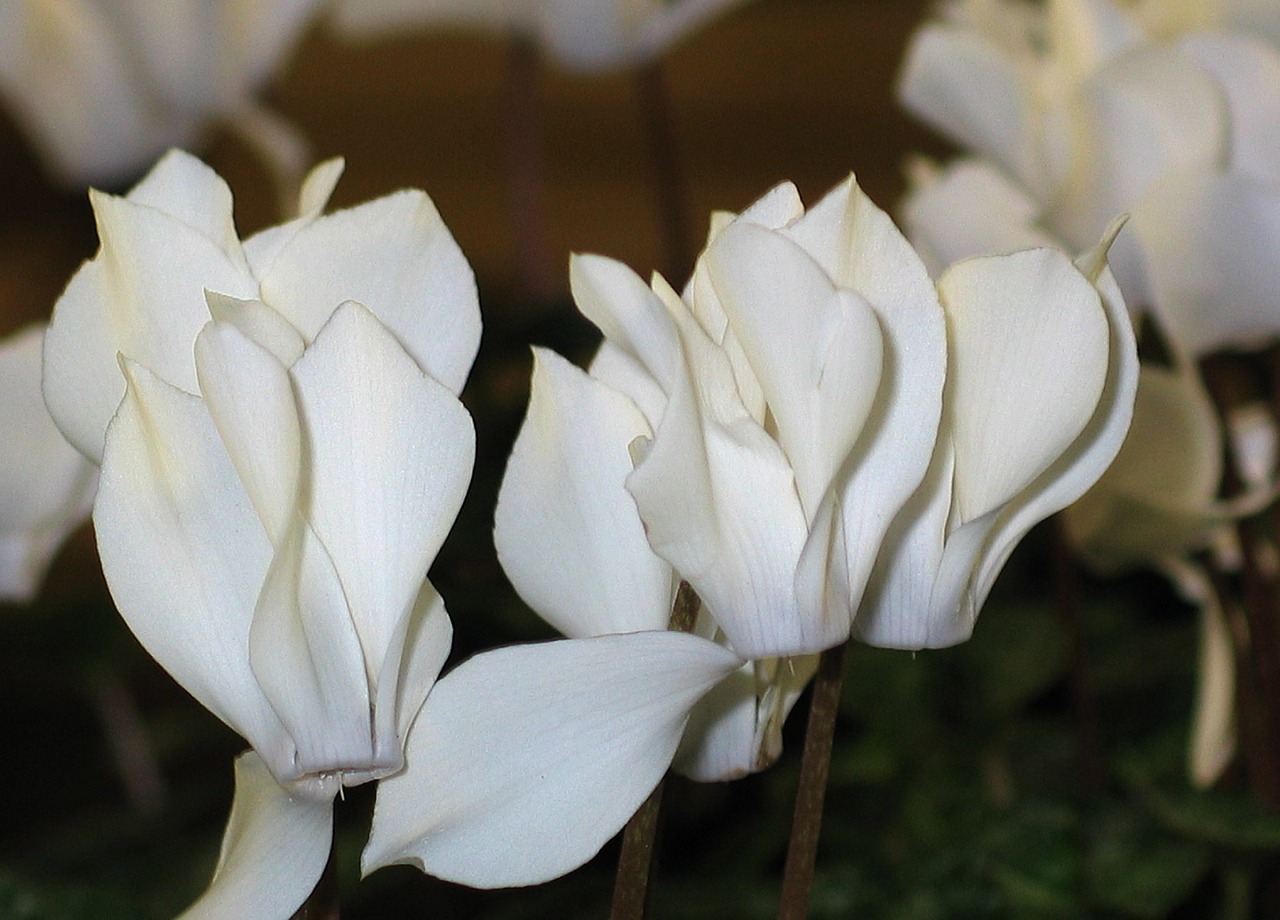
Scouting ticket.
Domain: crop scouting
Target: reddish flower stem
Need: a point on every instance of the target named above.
(815, 765)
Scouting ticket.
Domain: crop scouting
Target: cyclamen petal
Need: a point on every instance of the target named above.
(273, 852)
(524, 761)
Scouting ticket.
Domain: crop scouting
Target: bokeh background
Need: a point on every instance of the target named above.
(966, 783)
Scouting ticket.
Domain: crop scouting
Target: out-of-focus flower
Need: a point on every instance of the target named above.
(103, 88)
(584, 35)
(286, 459)
(1078, 115)
(172, 239)
(754, 438)
(46, 487)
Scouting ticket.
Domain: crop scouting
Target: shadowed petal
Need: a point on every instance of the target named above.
(567, 531)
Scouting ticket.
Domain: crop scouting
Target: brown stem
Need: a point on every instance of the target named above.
(815, 765)
(1067, 601)
(639, 839)
(524, 174)
(669, 186)
(322, 903)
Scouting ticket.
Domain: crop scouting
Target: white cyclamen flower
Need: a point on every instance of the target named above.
(585, 35)
(287, 454)
(103, 88)
(1077, 115)
(46, 487)
(756, 438)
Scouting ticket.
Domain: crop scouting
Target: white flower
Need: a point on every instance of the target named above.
(586, 35)
(46, 487)
(103, 88)
(755, 438)
(1079, 115)
(278, 476)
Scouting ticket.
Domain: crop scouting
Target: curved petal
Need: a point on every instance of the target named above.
(273, 853)
(816, 350)
(1011, 319)
(389, 452)
(184, 553)
(46, 486)
(1209, 243)
(567, 531)
(395, 256)
(524, 761)
(250, 399)
(183, 187)
(141, 296)
(719, 503)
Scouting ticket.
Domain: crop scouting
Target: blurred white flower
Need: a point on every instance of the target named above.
(103, 88)
(46, 487)
(1076, 115)
(584, 35)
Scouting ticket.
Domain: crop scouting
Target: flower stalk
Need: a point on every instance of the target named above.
(815, 766)
(639, 838)
(524, 173)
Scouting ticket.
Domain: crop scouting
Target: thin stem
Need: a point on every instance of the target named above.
(524, 174)
(322, 903)
(815, 765)
(130, 745)
(669, 186)
(639, 839)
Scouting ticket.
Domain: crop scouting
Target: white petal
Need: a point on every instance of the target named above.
(629, 314)
(816, 350)
(1213, 721)
(1092, 452)
(567, 531)
(46, 486)
(250, 399)
(1209, 243)
(142, 296)
(968, 88)
(260, 323)
(416, 664)
(395, 256)
(182, 186)
(1029, 347)
(735, 730)
(524, 761)
(390, 453)
(273, 853)
(307, 659)
(184, 553)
